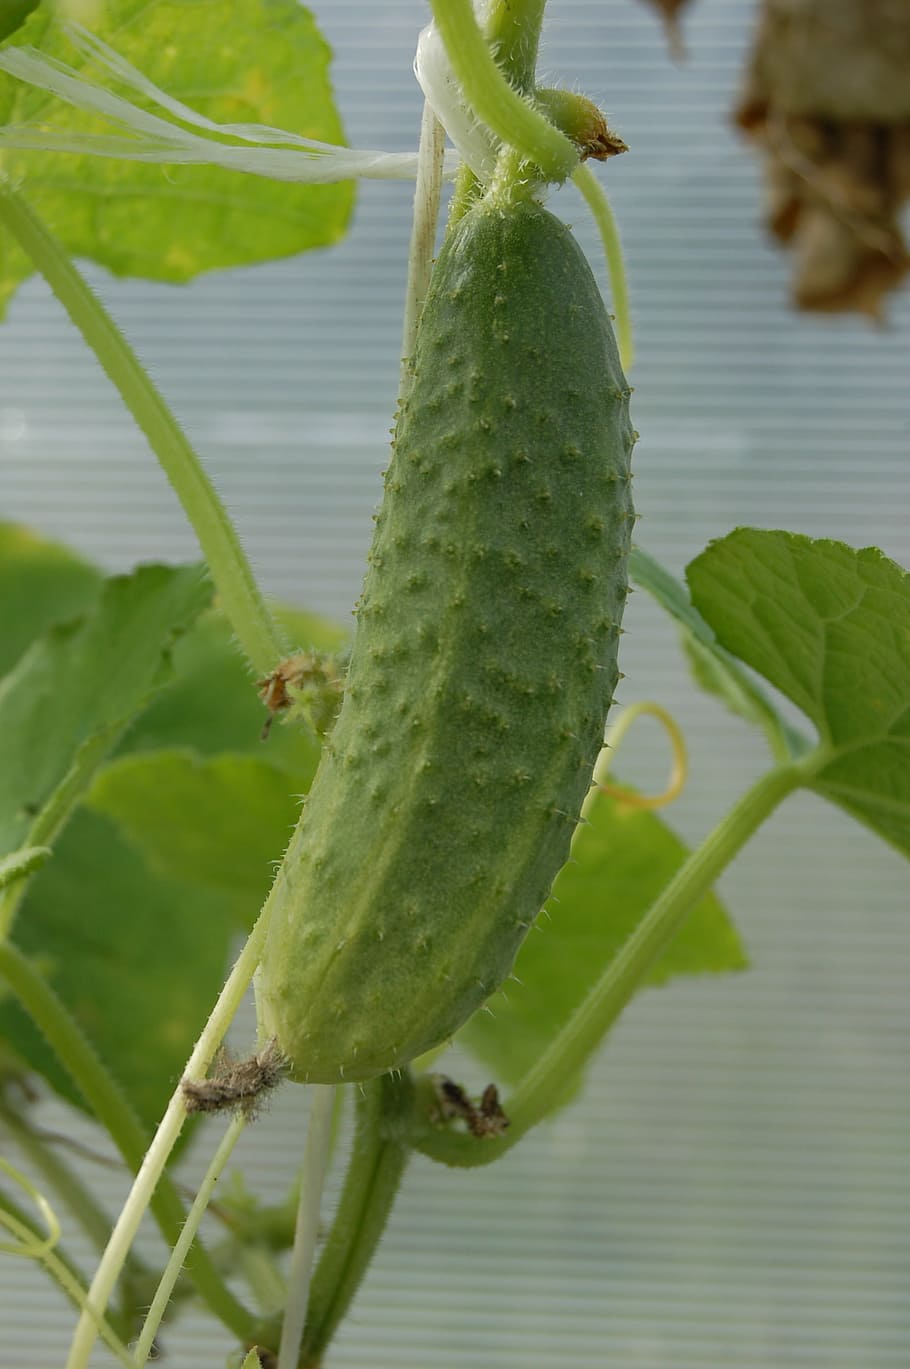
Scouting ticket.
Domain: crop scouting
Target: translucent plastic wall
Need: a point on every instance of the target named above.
(733, 1187)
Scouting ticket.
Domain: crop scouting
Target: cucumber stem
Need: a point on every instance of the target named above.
(145, 1343)
(151, 1172)
(513, 32)
(545, 1085)
(599, 205)
(77, 1055)
(240, 596)
(312, 1182)
(375, 1171)
(510, 115)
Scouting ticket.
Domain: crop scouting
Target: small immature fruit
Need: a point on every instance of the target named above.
(483, 664)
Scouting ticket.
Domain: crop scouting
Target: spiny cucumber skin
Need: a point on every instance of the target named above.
(483, 665)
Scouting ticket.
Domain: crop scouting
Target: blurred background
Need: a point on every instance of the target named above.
(733, 1187)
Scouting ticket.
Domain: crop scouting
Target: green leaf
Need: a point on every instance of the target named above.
(620, 863)
(13, 13)
(137, 959)
(221, 823)
(213, 705)
(237, 61)
(41, 583)
(829, 626)
(252, 1361)
(714, 668)
(78, 685)
(21, 863)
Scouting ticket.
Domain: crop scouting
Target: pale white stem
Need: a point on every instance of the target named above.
(57, 78)
(146, 1341)
(295, 158)
(312, 1180)
(430, 153)
(277, 164)
(95, 47)
(156, 1157)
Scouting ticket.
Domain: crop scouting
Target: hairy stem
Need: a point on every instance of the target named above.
(146, 1341)
(151, 1174)
(513, 31)
(599, 205)
(510, 115)
(22, 863)
(545, 1084)
(375, 1171)
(312, 1180)
(78, 1057)
(237, 589)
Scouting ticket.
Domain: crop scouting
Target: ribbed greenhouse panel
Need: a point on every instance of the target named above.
(732, 1188)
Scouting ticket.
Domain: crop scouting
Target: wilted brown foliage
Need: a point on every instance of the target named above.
(827, 101)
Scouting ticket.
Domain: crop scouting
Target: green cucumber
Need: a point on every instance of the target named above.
(483, 665)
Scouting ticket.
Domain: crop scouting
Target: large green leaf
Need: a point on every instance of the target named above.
(211, 705)
(78, 685)
(41, 583)
(620, 862)
(714, 668)
(238, 61)
(829, 626)
(137, 958)
(220, 823)
(13, 13)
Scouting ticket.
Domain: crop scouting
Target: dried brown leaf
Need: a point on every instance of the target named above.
(826, 100)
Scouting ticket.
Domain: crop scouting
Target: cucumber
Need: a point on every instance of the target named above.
(483, 665)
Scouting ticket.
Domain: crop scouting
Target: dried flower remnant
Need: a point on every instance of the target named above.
(236, 1084)
(482, 1119)
(827, 101)
(308, 685)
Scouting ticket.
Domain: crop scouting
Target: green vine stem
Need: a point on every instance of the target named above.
(312, 1181)
(513, 32)
(151, 1174)
(78, 1057)
(238, 591)
(510, 115)
(146, 1342)
(544, 1086)
(259, 1268)
(599, 205)
(22, 863)
(375, 1170)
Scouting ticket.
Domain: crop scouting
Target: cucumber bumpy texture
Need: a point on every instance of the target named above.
(483, 665)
